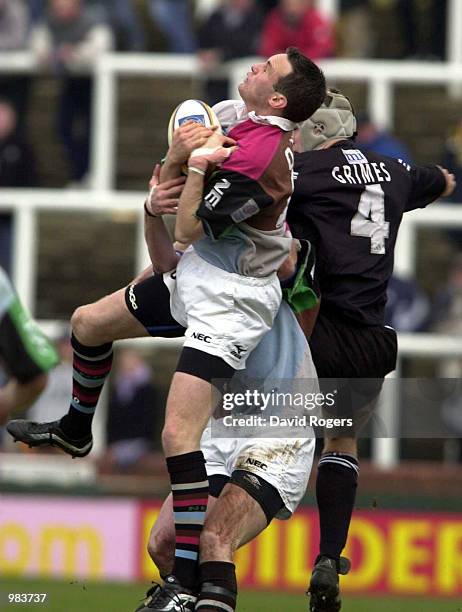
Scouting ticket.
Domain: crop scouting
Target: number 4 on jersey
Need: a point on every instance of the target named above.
(369, 221)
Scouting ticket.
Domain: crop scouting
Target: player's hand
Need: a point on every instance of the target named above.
(450, 182)
(189, 136)
(163, 198)
(217, 150)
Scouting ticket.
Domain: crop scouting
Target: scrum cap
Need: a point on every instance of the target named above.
(334, 119)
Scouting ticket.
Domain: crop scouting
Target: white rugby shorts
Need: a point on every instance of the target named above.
(285, 463)
(225, 314)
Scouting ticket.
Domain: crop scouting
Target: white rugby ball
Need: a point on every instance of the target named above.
(191, 110)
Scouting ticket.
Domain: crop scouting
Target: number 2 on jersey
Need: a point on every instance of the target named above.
(369, 221)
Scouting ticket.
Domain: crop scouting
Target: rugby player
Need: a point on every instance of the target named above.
(226, 291)
(264, 478)
(25, 353)
(349, 205)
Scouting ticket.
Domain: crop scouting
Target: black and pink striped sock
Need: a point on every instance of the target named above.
(190, 490)
(92, 365)
(218, 587)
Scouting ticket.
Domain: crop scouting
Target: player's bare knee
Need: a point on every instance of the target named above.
(172, 442)
(88, 327)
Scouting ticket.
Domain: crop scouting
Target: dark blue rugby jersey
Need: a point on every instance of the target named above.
(349, 204)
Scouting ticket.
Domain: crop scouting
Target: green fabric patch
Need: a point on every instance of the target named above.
(301, 296)
(36, 343)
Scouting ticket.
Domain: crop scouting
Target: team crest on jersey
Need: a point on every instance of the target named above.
(355, 156)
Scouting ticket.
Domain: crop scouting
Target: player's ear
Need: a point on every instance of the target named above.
(277, 100)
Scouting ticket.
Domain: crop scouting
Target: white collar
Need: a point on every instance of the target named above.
(232, 112)
(280, 122)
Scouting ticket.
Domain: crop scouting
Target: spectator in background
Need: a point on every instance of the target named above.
(424, 28)
(230, 32)
(407, 308)
(124, 21)
(14, 28)
(68, 42)
(135, 416)
(297, 23)
(355, 34)
(174, 18)
(17, 169)
(371, 138)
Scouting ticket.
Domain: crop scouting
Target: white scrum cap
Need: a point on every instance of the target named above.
(334, 119)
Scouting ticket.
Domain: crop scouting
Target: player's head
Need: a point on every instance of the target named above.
(288, 85)
(335, 119)
(65, 10)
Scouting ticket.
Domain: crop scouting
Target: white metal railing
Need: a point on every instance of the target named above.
(380, 76)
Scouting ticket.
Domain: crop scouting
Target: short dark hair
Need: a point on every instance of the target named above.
(304, 87)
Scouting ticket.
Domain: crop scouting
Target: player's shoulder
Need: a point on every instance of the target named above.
(260, 146)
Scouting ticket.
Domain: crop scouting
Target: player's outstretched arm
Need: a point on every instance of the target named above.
(188, 227)
(163, 199)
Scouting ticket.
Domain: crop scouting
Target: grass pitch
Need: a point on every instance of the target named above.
(67, 596)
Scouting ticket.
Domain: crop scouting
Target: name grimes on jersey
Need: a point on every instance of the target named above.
(363, 173)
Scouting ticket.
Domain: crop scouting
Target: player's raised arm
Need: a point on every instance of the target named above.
(428, 184)
(162, 199)
(188, 227)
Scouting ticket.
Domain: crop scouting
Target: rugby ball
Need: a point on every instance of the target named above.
(191, 110)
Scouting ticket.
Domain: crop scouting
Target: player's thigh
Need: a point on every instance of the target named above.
(189, 407)
(106, 320)
(141, 309)
(274, 471)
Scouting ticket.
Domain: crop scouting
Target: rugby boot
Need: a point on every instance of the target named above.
(324, 589)
(148, 597)
(49, 434)
(171, 597)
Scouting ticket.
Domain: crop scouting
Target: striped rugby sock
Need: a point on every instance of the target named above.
(336, 485)
(218, 587)
(92, 365)
(190, 490)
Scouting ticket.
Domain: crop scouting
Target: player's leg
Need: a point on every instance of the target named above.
(190, 403)
(236, 518)
(360, 358)
(19, 396)
(269, 479)
(226, 318)
(26, 353)
(138, 310)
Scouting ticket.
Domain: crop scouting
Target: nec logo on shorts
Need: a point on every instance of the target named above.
(202, 337)
(255, 463)
(238, 350)
(132, 298)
